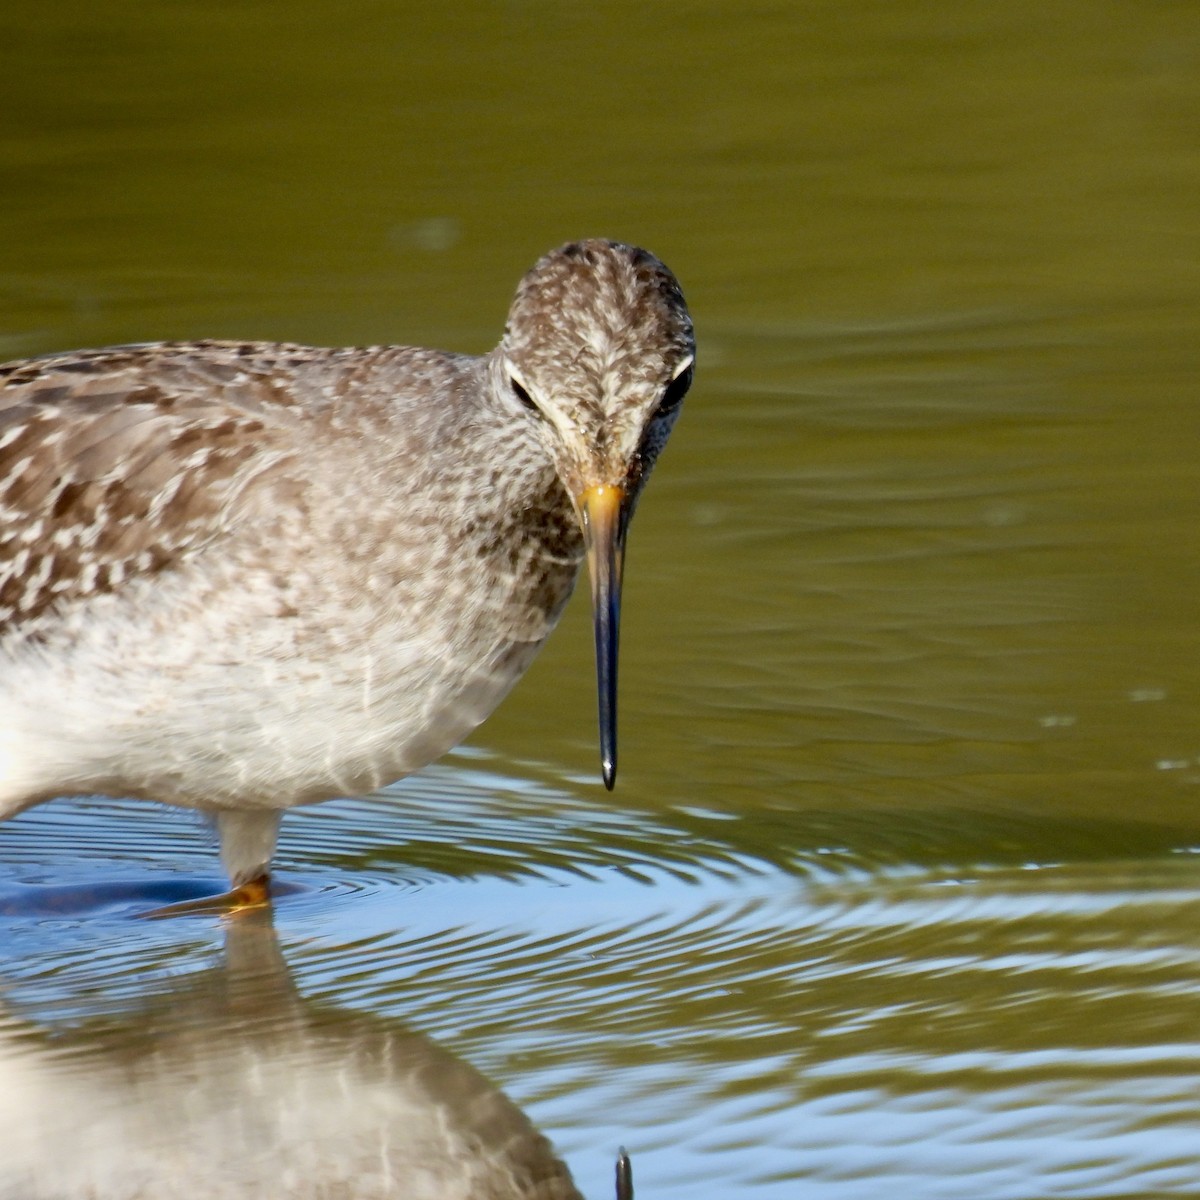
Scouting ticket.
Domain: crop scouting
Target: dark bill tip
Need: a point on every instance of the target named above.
(624, 1175)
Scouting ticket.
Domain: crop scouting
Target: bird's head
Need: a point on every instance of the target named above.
(599, 351)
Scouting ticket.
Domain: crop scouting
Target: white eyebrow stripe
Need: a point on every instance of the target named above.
(548, 411)
(515, 375)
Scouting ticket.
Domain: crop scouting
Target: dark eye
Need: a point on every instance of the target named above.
(676, 390)
(522, 395)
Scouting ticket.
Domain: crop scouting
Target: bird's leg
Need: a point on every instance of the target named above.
(253, 894)
(247, 839)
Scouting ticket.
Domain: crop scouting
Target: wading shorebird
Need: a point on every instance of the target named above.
(241, 577)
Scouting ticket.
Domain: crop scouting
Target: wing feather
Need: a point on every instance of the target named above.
(118, 463)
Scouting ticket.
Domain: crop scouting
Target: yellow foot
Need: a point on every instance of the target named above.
(253, 894)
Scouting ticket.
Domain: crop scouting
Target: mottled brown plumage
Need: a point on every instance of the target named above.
(242, 576)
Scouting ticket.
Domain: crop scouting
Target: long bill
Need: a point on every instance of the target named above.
(602, 508)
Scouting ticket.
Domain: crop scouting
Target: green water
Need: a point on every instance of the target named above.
(897, 889)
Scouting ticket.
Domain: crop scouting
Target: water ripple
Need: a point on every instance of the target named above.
(922, 990)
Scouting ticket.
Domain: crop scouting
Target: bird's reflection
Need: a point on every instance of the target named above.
(234, 1085)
